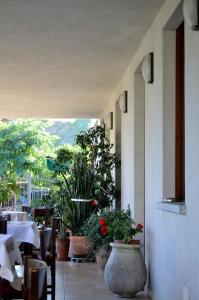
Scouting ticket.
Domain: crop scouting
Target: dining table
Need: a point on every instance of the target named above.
(24, 232)
(9, 255)
(16, 215)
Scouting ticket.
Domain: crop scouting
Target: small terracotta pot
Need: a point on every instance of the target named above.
(62, 248)
(79, 246)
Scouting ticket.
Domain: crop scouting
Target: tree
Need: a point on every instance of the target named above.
(23, 147)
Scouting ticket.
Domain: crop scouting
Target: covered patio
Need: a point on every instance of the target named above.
(134, 66)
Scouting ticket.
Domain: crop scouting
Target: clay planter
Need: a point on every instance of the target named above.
(125, 271)
(79, 246)
(62, 248)
(102, 256)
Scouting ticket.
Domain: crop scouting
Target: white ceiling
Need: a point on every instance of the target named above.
(63, 58)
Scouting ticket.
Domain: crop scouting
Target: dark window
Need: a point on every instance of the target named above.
(180, 117)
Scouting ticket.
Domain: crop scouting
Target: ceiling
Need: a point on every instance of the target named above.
(63, 58)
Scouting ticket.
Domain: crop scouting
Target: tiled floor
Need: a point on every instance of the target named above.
(82, 282)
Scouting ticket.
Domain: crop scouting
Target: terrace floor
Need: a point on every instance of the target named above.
(83, 282)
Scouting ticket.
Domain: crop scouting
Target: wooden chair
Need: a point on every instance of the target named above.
(48, 253)
(7, 217)
(35, 279)
(27, 208)
(34, 287)
(3, 226)
(43, 212)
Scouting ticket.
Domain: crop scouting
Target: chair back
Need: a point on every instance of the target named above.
(45, 241)
(7, 217)
(43, 212)
(48, 253)
(27, 208)
(3, 226)
(35, 279)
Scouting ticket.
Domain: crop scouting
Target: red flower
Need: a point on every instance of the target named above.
(102, 221)
(94, 202)
(140, 227)
(104, 230)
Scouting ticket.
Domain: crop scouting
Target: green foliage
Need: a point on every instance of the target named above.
(72, 214)
(23, 147)
(91, 229)
(86, 170)
(121, 227)
(8, 187)
(57, 200)
(107, 226)
(97, 149)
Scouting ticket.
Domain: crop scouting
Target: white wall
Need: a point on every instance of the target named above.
(172, 240)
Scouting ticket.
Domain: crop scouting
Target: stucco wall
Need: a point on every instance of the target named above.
(172, 240)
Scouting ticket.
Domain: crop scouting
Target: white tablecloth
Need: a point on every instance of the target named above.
(9, 254)
(24, 231)
(16, 215)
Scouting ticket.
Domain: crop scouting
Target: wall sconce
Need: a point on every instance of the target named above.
(123, 102)
(191, 13)
(147, 68)
(109, 120)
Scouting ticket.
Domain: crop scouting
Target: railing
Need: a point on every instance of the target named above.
(31, 189)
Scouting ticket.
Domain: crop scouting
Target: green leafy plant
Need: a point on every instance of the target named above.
(107, 226)
(8, 189)
(72, 214)
(98, 151)
(86, 170)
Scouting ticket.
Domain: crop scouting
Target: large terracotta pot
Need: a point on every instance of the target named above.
(125, 271)
(102, 256)
(62, 248)
(79, 246)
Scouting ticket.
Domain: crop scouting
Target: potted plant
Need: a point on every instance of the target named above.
(110, 226)
(77, 194)
(87, 178)
(56, 199)
(77, 213)
(99, 236)
(125, 270)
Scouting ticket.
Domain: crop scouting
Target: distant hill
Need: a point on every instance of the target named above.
(67, 130)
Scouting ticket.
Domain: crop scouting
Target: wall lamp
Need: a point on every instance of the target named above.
(123, 102)
(148, 68)
(109, 120)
